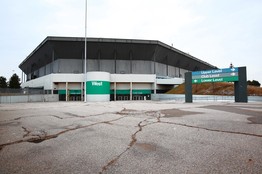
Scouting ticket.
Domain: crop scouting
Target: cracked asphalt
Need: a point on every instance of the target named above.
(131, 137)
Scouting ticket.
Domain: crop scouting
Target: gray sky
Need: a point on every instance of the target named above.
(216, 31)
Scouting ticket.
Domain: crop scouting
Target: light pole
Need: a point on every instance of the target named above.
(85, 50)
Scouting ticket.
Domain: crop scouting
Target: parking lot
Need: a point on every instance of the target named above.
(131, 137)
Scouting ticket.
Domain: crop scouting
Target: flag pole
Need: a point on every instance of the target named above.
(85, 50)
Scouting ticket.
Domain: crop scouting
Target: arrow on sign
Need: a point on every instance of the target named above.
(233, 69)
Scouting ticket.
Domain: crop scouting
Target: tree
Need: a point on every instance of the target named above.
(14, 81)
(253, 83)
(3, 83)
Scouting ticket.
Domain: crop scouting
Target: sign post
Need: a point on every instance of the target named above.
(236, 75)
(188, 87)
(240, 86)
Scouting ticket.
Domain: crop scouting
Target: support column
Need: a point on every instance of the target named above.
(155, 87)
(66, 91)
(52, 88)
(81, 87)
(114, 91)
(131, 90)
(22, 77)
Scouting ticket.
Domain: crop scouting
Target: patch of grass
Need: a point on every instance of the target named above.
(221, 88)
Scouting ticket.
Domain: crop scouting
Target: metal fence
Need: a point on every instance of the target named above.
(21, 91)
(28, 98)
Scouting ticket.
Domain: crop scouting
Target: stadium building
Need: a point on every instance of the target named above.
(129, 69)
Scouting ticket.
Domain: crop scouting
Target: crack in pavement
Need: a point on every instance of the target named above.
(213, 130)
(155, 114)
(39, 138)
(26, 131)
(57, 117)
(18, 118)
(94, 115)
(132, 142)
(66, 113)
(158, 120)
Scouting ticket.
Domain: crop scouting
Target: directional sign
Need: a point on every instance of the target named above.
(234, 74)
(216, 75)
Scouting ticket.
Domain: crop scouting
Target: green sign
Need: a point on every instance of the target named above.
(97, 87)
(222, 79)
(217, 75)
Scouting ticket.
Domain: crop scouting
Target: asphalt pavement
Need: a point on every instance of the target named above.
(131, 137)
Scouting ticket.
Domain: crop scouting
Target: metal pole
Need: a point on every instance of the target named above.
(85, 50)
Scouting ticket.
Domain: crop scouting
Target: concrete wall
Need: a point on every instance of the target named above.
(70, 85)
(182, 72)
(42, 71)
(47, 82)
(142, 67)
(181, 97)
(159, 97)
(92, 65)
(48, 69)
(161, 69)
(29, 98)
(107, 66)
(142, 86)
(76, 66)
(70, 66)
(67, 66)
(123, 67)
(28, 76)
(177, 72)
(143, 78)
(121, 86)
(171, 81)
(172, 71)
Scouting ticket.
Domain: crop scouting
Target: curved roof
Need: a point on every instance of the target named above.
(53, 48)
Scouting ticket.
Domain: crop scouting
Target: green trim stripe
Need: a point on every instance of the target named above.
(104, 89)
(134, 91)
(97, 87)
(71, 91)
(74, 91)
(61, 91)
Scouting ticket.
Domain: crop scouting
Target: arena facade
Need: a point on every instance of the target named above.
(137, 68)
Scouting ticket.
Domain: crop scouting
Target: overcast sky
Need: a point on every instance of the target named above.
(216, 31)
